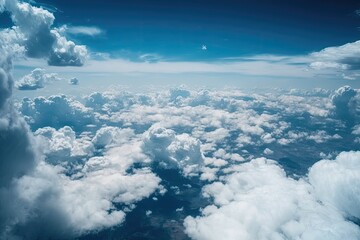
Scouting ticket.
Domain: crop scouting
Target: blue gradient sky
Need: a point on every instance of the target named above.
(177, 29)
(142, 31)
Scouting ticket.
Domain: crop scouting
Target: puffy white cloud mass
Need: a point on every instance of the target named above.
(345, 102)
(64, 198)
(51, 204)
(259, 201)
(33, 30)
(173, 151)
(211, 140)
(343, 58)
(41, 198)
(62, 145)
(337, 182)
(36, 79)
(56, 111)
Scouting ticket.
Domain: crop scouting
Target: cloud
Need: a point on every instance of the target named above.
(58, 206)
(336, 182)
(33, 28)
(344, 58)
(83, 30)
(56, 111)
(62, 146)
(259, 201)
(66, 53)
(38, 78)
(173, 151)
(150, 63)
(73, 81)
(207, 136)
(109, 136)
(345, 103)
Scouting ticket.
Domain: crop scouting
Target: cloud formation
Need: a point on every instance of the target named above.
(33, 30)
(38, 78)
(173, 151)
(73, 81)
(83, 30)
(343, 58)
(56, 111)
(259, 201)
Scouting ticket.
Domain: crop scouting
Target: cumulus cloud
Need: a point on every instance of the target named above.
(33, 27)
(345, 102)
(259, 201)
(173, 151)
(56, 111)
(109, 136)
(56, 205)
(40, 200)
(36, 79)
(344, 58)
(61, 146)
(73, 81)
(66, 53)
(336, 182)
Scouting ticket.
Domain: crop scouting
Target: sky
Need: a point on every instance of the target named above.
(176, 30)
(207, 43)
(85, 156)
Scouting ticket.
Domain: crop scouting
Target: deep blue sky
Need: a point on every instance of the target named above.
(176, 29)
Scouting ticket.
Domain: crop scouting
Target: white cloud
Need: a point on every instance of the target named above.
(66, 53)
(62, 145)
(343, 100)
(344, 58)
(260, 202)
(83, 30)
(173, 151)
(33, 27)
(336, 182)
(176, 129)
(109, 136)
(56, 111)
(79, 205)
(38, 78)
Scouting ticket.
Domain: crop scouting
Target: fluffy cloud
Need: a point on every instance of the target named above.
(34, 194)
(33, 27)
(56, 111)
(61, 146)
(109, 136)
(343, 100)
(259, 201)
(336, 182)
(173, 151)
(208, 135)
(65, 52)
(36, 79)
(55, 205)
(344, 58)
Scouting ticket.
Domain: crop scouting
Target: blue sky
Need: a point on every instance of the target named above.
(245, 41)
(178, 29)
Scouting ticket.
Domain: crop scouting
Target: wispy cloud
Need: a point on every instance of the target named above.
(118, 65)
(84, 30)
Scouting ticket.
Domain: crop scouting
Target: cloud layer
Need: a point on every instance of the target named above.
(259, 201)
(33, 30)
(36, 79)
